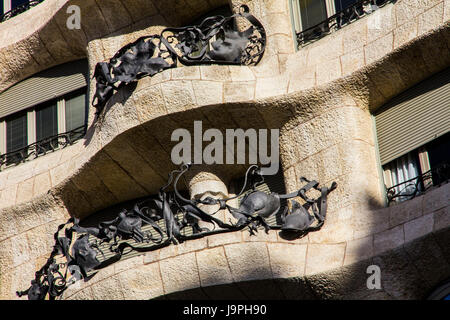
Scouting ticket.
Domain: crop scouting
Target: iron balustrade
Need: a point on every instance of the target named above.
(80, 251)
(420, 184)
(19, 9)
(339, 20)
(42, 147)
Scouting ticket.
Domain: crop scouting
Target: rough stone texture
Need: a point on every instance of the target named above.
(287, 260)
(321, 257)
(389, 239)
(142, 282)
(213, 267)
(320, 96)
(241, 269)
(180, 273)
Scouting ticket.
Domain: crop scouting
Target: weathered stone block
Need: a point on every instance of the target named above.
(436, 199)
(186, 73)
(322, 257)
(352, 61)
(377, 49)
(380, 22)
(287, 260)
(358, 250)
(430, 19)
(405, 32)
(215, 72)
(266, 87)
(224, 238)
(238, 91)
(419, 227)
(129, 263)
(108, 289)
(441, 219)
(248, 261)
(180, 273)
(25, 190)
(150, 103)
(405, 211)
(389, 239)
(42, 183)
(328, 71)
(213, 267)
(208, 92)
(142, 283)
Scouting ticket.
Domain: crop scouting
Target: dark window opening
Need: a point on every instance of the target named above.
(75, 110)
(420, 169)
(343, 4)
(313, 13)
(17, 3)
(16, 138)
(46, 127)
(438, 154)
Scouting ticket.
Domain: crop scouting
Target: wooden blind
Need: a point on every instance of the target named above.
(415, 117)
(44, 86)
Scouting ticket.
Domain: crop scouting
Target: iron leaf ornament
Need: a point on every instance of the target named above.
(216, 40)
(80, 251)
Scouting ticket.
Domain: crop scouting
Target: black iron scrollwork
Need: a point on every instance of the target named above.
(42, 147)
(169, 214)
(19, 9)
(216, 40)
(419, 185)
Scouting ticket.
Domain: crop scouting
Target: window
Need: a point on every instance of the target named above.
(46, 126)
(17, 3)
(8, 5)
(16, 136)
(75, 111)
(413, 135)
(401, 177)
(44, 112)
(312, 19)
(415, 172)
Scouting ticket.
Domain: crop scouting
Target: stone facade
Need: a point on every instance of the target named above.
(320, 96)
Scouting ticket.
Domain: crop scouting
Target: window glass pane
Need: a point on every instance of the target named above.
(405, 177)
(16, 132)
(16, 138)
(16, 3)
(75, 111)
(46, 121)
(46, 126)
(343, 4)
(1, 7)
(439, 156)
(312, 12)
(439, 150)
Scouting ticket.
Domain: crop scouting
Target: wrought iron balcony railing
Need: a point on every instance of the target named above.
(339, 20)
(19, 9)
(420, 184)
(41, 147)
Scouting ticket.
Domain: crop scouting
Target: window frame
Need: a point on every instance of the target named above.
(426, 172)
(32, 121)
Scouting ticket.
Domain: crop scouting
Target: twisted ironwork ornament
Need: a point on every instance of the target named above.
(168, 215)
(216, 40)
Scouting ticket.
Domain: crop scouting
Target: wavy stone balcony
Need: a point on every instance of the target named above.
(320, 97)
